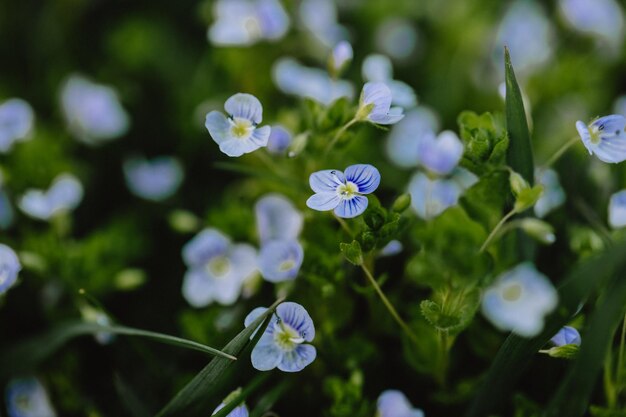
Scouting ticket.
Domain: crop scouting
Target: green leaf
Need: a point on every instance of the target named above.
(453, 311)
(485, 140)
(352, 252)
(527, 198)
(189, 400)
(605, 412)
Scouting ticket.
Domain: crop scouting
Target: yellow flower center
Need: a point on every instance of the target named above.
(347, 190)
(241, 128)
(218, 266)
(286, 337)
(286, 265)
(594, 135)
(512, 292)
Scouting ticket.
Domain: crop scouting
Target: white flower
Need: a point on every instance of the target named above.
(605, 137)
(375, 105)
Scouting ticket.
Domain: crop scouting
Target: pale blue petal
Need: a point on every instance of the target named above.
(66, 193)
(273, 19)
(245, 106)
(280, 260)
(236, 147)
(323, 201)
(365, 176)
(617, 210)
(297, 359)
(16, 122)
(464, 178)
(156, 179)
(227, 288)
(393, 116)
(326, 181)
(429, 198)
(198, 288)
(218, 126)
(9, 267)
(351, 207)
(553, 195)
(240, 411)
(279, 140)
(603, 19)
(260, 136)
(236, 23)
(397, 37)
(402, 94)
(277, 218)
(297, 318)
(266, 355)
(341, 54)
(566, 336)
(377, 68)
(394, 247)
(404, 140)
(204, 246)
(441, 154)
(611, 146)
(393, 403)
(36, 204)
(27, 397)
(377, 94)
(253, 315)
(243, 257)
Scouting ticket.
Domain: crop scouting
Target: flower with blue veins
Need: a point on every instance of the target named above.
(16, 123)
(340, 57)
(282, 345)
(155, 179)
(277, 218)
(217, 268)
(238, 133)
(566, 336)
(519, 300)
(431, 197)
(27, 397)
(393, 403)
(553, 195)
(375, 105)
(280, 260)
(378, 68)
(343, 192)
(617, 210)
(9, 268)
(605, 137)
(403, 143)
(440, 154)
(279, 140)
(65, 194)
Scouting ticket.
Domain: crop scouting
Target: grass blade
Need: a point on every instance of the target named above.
(245, 393)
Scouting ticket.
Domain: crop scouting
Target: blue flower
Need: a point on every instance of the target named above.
(216, 268)
(397, 37)
(392, 248)
(277, 218)
(93, 111)
(519, 300)
(566, 336)
(617, 210)
(605, 137)
(65, 194)
(282, 345)
(16, 123)
(320, 18)
(239, 411)
(280, 260)
(238, 133)
(9, 268)
(403, 143)
(279, 140)
(553, 195)
(378, 68)
(393, 403)
(155, 179)
(26, 397)
(343, 192)
(440, 154)
(375, 105)
(431, 197)
(601, 18)
(340, 56)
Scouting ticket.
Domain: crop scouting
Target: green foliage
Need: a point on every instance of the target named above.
(352, 252)
(564, 352)
(486, 141)
(346, 396)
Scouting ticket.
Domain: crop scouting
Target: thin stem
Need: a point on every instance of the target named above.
(339, 133)
(390, 306)
(443, 346)
(609, 388)
(495, 230)
(555, 157)
(620, 357)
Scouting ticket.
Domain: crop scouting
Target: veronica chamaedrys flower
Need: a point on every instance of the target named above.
(65, 194)
(553, 195)
(519, 300)
(280, 260)
(343, 192)
(603, 19)
(277, 219)
(566, 336)
(9, 268)
(340, 56)
(605, 137)
(393, 403)
(155, 179)
(245, 22)
(320, 17)
(279, 140)
(403, 143)
(431, 197)
(282, 345)
(27, 397)
(217, 268)
(375, 105)
(16, 123)
(238, 133)
(378, 68)
(617, 210)
(93, 111)
(392, 248)
(440, 154)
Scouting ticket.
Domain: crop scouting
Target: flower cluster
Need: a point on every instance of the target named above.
(65, 194)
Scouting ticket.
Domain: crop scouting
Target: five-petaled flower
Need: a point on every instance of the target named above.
(238, 133)
(375, 105)
(343, 192)
(282, 344)
(605, 137)
(566, 336)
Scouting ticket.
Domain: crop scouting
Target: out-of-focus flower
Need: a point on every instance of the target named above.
(619, 105)
(93, 111)
(238, 133)
(601, 18)
(519, 300)
(393, 403)
(605, 137)
(527, 32)
(26, 397)
(279, 140)
(343, 192)
(65, 194)
(340, 57)
(403, 143)
(378, 68)
(394, 247)
(282, 345)
(97, 316)
(440, 154)
(217, 268)
(245, 22)
(280, 260)
(375, 105)
(16, 123)
(9, 268)
(293, 78)
(553, 195)
(155, 179)
(617, 210)
(566, 336)
(277, 219)
(239, 411)
(396, 37)
(431, 197)
(320, 18)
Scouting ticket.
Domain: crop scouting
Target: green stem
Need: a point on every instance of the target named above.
(495, 230)
(555, 157)
(390, 306)
(620, 358)
(443, 351)
(609, 388)
(338, 135)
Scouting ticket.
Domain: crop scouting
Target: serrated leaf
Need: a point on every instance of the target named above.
(460, 309)
(352, 252)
